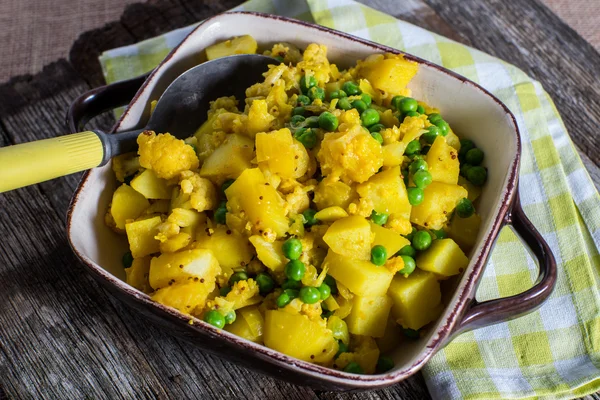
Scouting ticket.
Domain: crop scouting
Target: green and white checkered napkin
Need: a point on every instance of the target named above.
(553, 352)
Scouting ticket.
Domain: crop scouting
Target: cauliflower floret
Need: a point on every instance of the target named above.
(259, 119)
(223, 103)
(243, 293)
(352, 156)
(166, 155)
(203, 195)
(125, 165)
(315, 61)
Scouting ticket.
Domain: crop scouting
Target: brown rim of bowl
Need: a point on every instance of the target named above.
(464, 297)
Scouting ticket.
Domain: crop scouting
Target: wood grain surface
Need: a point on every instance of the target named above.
(62, 336)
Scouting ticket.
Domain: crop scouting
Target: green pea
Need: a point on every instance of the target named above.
(298, 111)
(309, 217)
(407, 250)
(238, 276)
(334, 95)
(310, 295)
(359, 105)
(344, 104)
(127, 260)
(279, 58)
(295, 270)
(354, 368)
(328, 121)
(421, 240)
(418, 165)
(439, 233)
(297, 121)
(265, 283)
(283, 300)
(421, 110)
(411, 333)
(378, 255)
(396, 102)
(224, 290)
(425, 150)
(307, 137)
(215, 318)
(464, 168)
(292, 248)
(422, 179)
(407, 104)
(293, 293)
(409, 265)
(307, 83)
(411, 114)
(291, 284)
(221, 213)
(330, 281)
(312, 122)
(443, 125)
(474, 156)
(316, 93)
(366, 98)
(432, 133)
(351, 88)
(465, 208)
(379, 218)
(324, 290)
(384, 364)
(230, 317)
(477, 175)
(377, 136)
(465, 146)
(342, 348)
(369, 117)
(376, 128)
(434, 117)
(303, 100)
(413, 147)
(415, 195)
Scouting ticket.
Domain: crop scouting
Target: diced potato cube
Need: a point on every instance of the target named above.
(443, 257)
(231, 249)
(127, 204)
(474, 191)
(350, 237)
(158, 207)
(274, 151)
(238, 45)
(390, 75)
(185, 296)
(393, 154)
(453, 140)
(416, 299)
(331, 214)
(188, 220)
(137, 274)
(229, 159)
(363, 278)
(151, 186)
(391, 338)
(262, 204)
(140, 235)
(175, 243)
(269, 253)
(439, 201)
(249, 324)
(183, 266)
(298, 336)
(464, 231)
(443, 163)
(333, 194)
(387, 192)
(368, 314)
(391, 240)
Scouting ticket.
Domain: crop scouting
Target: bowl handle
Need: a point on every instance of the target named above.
(480, 314)
(101, 99)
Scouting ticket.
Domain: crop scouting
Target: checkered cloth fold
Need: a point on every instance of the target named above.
(553, 352)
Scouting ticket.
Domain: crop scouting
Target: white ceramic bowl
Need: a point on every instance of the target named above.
(472, 112)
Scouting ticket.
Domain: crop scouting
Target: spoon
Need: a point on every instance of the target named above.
(180, 111)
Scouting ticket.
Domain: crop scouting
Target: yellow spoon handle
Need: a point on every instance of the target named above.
(28, 163)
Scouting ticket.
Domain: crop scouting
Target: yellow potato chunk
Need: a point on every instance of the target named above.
(269, 253)
(368, 314)
(464, 231)
(391, 240)
(175, 243)
(140, 235)
(417, 299)
(443, 163)
(137, 274)
(261, 203)
(350, 237)
(188, 220)
(443, 257)
(331, 214)
(474, 191)
(393, 154)
(329, 194)
(387, 193)
(166, 155)
(249, 324)
(362, 278)
(231, 249)
(229, 159)
(390, 75)
(298, 336)
(391, 338)
(240, 45)
(185, 296)
(439, 201)
(453, 140)
(127, 204)
(151, 186)
(274, 151)
(183, 266)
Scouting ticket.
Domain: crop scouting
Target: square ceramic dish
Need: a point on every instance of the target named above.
(472, 112)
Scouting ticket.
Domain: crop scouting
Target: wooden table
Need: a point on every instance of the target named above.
(61, 336)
